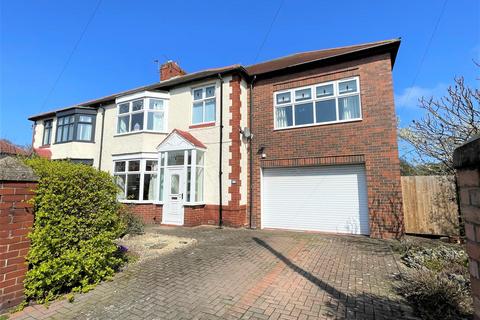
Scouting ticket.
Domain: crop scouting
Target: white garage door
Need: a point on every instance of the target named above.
(327, 198)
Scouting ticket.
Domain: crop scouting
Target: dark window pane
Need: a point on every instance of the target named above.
(325, 111)
(283, 97)
(303, 94)
(151, 165)
(347, 86)
(134, 165)
(120, 166)
(150, 184)
(137, 122)
(123, 107)
(70, 131)
(133, 187)
(303, 114)
(209, 92)
(137, 105)
(176, 158)
(325, 91)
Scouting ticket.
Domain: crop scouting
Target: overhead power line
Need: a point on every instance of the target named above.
(268, 31)
(427, 48)
(67, 62)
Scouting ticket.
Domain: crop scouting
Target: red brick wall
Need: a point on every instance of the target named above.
(150, 213)
(234, 214)
(16, 219)
(194, 215)
(374, 138)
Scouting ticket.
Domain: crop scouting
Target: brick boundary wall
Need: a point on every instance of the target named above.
(16, 220)
(467, 164)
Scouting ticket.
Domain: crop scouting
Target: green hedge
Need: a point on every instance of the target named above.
(76, 221)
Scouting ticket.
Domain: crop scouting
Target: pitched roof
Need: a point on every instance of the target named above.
(8, 148)
(190, 138)
(311, 56)
(332, 55)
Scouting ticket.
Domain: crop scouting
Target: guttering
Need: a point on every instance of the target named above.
(101, 138)
(250, 213)
(220, 156)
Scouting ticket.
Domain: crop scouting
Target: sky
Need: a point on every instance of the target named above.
(59, 53)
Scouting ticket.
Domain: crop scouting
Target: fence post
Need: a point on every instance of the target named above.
(17, 184)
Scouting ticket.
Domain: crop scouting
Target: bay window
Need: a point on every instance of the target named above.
(137, 179)
(142, 180)
(47, 132)
(75, 127)
(145, 114)
(336, 101)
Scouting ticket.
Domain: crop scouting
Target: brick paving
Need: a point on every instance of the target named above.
(247, 274)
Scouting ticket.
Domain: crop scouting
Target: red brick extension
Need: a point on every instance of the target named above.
(372, 140)
(16, 217)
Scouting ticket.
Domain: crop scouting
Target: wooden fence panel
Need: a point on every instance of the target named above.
(429, 205)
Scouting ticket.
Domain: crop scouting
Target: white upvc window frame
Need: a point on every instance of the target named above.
(203, 100)
(146, 97)
(313, 99)
(163, 165)
(142, 172)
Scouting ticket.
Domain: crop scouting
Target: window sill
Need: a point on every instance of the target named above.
(318, 124)
(202, 125)
(139, 202)
(45, 146)
(80, 141)
(138, 132)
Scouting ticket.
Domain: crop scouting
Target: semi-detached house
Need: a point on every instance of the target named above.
(303, 142)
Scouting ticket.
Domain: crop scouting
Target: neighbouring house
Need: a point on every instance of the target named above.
(303, 142)
(8, 149)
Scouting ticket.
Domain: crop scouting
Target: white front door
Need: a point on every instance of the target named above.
(175, 186)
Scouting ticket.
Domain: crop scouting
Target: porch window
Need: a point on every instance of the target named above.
(193, 162)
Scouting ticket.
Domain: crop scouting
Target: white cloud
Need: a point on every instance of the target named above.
(410, 96)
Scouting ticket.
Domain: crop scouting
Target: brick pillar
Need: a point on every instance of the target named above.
(17, 183)
(467, 163)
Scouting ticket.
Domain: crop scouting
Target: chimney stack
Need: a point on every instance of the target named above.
(169, 70)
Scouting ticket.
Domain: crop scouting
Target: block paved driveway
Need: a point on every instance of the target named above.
(246, 274)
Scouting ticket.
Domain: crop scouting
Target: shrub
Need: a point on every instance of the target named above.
(134, 224)
(437, 282)
(76, 221)
(435, 295)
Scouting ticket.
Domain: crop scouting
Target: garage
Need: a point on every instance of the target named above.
(326, 198)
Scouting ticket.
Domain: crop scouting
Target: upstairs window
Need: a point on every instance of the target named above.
(146, 114)
(47, 132)
(330, 102)
(75, 127)
(204, 101)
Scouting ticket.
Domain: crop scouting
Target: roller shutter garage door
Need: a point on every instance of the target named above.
(326, 198)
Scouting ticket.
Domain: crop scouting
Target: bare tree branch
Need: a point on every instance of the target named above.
(448, 122)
